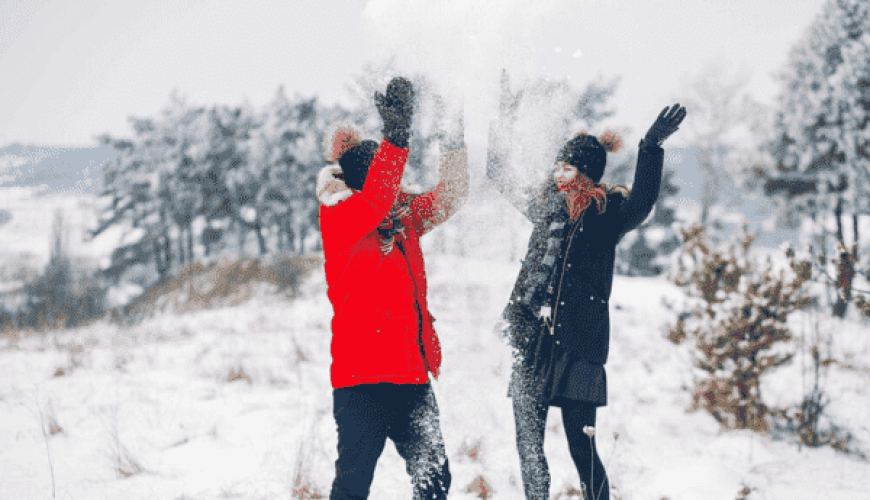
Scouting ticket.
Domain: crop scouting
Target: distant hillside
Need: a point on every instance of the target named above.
(58, 169)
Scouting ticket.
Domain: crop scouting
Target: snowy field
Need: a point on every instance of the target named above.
(32, 212)
(236, 403)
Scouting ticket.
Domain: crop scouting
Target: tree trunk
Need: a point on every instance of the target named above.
(241, 233)
(261, 240)
(303, 233)
(845, 273)
(288, 231)
(190, 242)
(707, 161)
(838, 214)
(167, 249)
(182, 254)
(206, 241)
(856, 241)
(159, 260)
(279, 236)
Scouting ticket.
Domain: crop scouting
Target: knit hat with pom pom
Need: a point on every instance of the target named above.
(589, 154)
(343, 143)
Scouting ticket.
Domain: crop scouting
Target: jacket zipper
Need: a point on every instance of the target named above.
(418, 307)
(562, 275)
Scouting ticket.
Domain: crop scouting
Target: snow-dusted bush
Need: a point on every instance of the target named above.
(738, 320)
(64, 294)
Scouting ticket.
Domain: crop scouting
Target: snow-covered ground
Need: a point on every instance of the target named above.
(236, 403)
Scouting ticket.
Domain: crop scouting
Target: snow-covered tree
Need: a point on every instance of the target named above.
(287, 153)
(224, 169)
(647, 250)
(718, 127)
(821, 149)
(149, 189)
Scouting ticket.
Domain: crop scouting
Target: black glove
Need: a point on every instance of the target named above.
(666, 124)
(396, 110)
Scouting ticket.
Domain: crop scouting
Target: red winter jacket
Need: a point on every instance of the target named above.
(379, 300)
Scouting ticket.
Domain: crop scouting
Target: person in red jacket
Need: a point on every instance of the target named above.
(383, 343)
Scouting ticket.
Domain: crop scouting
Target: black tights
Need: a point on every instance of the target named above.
(531, 421)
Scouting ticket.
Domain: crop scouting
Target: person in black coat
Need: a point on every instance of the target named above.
(558, 321)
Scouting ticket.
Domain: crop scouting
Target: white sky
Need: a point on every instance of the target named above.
(71, 70)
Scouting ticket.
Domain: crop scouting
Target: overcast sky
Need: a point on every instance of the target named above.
(71, 70)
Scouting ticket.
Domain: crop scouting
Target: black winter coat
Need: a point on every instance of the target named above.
(579, 297)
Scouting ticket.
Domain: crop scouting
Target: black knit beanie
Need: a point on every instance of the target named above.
(355, 163)
(587, 154)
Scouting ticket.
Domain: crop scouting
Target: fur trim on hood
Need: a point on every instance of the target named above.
(330, 188)
(339, 138)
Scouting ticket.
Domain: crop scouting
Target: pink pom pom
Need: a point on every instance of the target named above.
(611, 141)
(338, 140)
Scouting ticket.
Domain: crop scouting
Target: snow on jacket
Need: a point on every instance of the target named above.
(382, 329)
(578, 301)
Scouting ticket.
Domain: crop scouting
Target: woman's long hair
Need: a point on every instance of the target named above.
(552, 200)
(549, 196)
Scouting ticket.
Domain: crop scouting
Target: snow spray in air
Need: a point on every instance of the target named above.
(463, 46)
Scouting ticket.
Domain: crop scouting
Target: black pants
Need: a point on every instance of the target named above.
(530, 416)
(366, 416)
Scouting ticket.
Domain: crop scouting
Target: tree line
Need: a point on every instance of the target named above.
(816, 156)
(192, 181)
(193, 176)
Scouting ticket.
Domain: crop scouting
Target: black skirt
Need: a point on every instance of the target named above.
(546, 371)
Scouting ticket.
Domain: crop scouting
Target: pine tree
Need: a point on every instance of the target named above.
(647, 250)
(821, 149)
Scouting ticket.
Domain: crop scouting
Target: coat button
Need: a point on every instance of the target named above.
(560, 324)
(558, 343)
(591, 298)
(569, 265)
(561, 303)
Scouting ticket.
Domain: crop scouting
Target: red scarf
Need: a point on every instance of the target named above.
(579, 194)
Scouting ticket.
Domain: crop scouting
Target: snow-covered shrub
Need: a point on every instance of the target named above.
(809, 420)
(845, 263)
(304, 485)
(737, 317)
(863, 306)
(238, 373)
(65, 294)
(480, 487)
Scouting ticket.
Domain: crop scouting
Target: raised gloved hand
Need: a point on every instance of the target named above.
(396, 110)
(508, 102)
(665, 125)
(451, 123)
